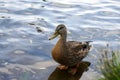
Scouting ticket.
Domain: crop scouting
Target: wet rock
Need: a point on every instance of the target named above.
(66, 75)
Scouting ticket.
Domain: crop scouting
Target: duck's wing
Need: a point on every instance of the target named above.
(78, 49)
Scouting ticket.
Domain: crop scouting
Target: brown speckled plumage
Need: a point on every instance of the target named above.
(68, 53)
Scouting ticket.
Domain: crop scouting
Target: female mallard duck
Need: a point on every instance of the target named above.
(70, 53)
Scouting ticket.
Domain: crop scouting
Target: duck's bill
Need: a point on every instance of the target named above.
(53, 36)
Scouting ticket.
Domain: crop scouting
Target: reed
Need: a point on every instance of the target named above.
(110, 65)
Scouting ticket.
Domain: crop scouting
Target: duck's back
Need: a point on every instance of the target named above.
(77, 51)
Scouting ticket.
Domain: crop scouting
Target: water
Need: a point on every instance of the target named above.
(23, 47)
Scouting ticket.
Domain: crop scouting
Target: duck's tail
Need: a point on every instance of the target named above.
(88, 44)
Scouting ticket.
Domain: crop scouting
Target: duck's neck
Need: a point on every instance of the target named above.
(63, 39)
(62, 44)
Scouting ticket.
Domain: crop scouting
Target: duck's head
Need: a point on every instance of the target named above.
(60, 30)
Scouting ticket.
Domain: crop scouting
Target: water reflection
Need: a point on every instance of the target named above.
(22, 45)
(58, 74)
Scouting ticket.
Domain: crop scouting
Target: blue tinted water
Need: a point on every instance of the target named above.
(96, 20)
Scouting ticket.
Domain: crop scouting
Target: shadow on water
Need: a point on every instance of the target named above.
(58, 74)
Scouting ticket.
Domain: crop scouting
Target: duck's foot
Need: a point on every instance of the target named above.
(73, 70)
(63, 67)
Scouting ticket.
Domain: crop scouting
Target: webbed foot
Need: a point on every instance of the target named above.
(63, 67)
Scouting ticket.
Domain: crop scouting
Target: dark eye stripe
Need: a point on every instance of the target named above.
(60, 28)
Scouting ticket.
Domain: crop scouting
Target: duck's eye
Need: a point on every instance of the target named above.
(60, 28)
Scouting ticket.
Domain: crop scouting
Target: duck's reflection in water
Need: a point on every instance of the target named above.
(58, 74)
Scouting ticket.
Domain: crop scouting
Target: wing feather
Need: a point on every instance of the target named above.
(78, 50)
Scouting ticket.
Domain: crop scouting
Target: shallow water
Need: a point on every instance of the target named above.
(21, 45)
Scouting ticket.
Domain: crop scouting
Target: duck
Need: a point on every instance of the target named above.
(68, 53)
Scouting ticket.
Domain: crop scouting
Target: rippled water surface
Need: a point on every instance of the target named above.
(22, 48)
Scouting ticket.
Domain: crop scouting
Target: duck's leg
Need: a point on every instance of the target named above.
(74, 69)
(62, 67)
